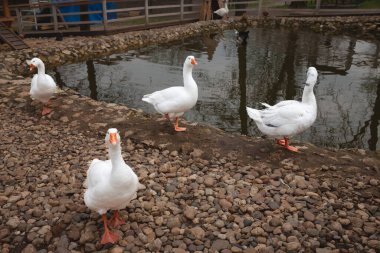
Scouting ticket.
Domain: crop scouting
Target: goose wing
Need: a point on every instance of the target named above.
(98, 172)
(284, 113)
(173, 99)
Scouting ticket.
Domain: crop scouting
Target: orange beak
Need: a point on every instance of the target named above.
(193, 61)
(113, 138)
(31, 67)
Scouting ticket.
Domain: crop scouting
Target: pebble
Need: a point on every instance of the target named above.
(194, 200)
(219, 245)
(190, 212)
(293, 246)
(308, 215)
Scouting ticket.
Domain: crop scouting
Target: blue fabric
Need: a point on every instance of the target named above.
(91, 7)
(99, 16)
(70, 8)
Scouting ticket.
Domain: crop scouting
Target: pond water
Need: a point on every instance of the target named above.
(269, 68)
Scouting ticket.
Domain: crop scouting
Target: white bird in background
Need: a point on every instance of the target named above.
(43, 86)
(111, 185)
(173, 102)
(223, 11)
(289, 117)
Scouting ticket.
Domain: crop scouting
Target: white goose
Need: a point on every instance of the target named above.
(289, 117)
(43, 86)
(173, 102)
(223, 11)
(111, 185)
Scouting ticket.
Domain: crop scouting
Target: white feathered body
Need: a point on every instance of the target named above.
(175, 101)
(223, 11)
(289, 117)
(110, 187)
(286, 118)
(42, 87)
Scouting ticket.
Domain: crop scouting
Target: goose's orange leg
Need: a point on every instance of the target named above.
(285, 143)
(116, 220)
(46, 109)
(280, 142)
(177, 128)
(108, 236)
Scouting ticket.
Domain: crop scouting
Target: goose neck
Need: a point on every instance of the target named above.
(41, 69)
(188, 76)
(114, 153)
(308, 96)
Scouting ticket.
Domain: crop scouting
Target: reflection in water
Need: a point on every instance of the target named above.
(350, 53)
(270, 67)
(211, 41)
(375, 121)
(286, 75)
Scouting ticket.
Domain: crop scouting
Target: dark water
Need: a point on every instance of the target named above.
(271, 67)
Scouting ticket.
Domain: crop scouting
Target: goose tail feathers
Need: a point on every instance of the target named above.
(147, 98)
(266, 105)
(254, 114)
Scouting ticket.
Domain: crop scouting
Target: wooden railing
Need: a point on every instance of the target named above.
(96, 16)
(104, 16)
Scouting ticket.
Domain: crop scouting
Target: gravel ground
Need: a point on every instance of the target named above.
(206, 190)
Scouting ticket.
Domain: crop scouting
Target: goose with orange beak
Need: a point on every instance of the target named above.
(43, 86)
(289, 117)
(173, 102)
(111, 185)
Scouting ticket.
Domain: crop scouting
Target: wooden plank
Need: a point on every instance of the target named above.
(165, 15)
(55, 19)
(318, 5)
(79, 22)
(182, 9)
(192, 5)
(260, 9)
(245, 2)
(146, 12)
(4, 19)
(126, 9)
(164, 6)
(245, 9)
(190, 12)
(11, 38)
(126, 19)
(104, 10)
(6, 9)
(80, 13)
(19, 21)
(111, 30)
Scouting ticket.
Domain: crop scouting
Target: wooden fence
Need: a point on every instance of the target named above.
(109, 16)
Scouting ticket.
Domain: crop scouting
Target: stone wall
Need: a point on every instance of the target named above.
(73, 49)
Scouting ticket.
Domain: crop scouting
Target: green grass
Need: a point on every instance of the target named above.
(370, 4)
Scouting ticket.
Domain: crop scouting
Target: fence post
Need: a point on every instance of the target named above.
(146, 12)
(182, 9)
(55, 19)
(260, 8)
(318, 5)
(19, 21)
(104, 12)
